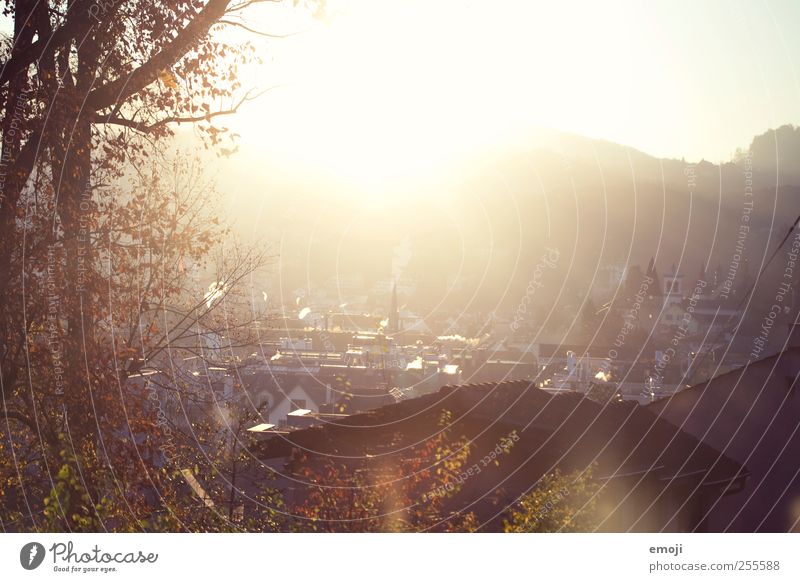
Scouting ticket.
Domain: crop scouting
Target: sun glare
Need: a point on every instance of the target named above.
(383, 90)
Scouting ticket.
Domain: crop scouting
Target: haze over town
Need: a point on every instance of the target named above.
(360, 265)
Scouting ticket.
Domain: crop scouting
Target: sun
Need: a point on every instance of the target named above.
(384, 90)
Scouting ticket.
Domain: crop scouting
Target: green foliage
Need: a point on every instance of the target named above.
(386, 494)
(69, 506)
(559, 503)
(188, 516)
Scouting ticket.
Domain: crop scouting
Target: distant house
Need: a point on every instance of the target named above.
(713, 316)
(353, 322)
(674, 315)
(673, 286)
(281, 394)
(752, 415)
(655, 477)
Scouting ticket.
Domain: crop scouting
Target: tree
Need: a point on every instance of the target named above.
(90, 90)
(558, 503)
(219, 449)
(400, 492)
(87, 87)
(149, 236)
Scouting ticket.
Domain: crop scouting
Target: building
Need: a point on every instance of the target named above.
(655, 477)
(673, 290)
(752, 415)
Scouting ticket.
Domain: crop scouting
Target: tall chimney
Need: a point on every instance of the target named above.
(570, 362)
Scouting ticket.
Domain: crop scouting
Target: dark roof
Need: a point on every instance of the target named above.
(566, 431)
(690, 393)
(751, 414)
(633, 437)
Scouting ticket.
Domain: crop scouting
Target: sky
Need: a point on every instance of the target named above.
(379, 82)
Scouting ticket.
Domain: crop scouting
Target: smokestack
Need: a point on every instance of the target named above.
(570, 362)
(394, 312)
